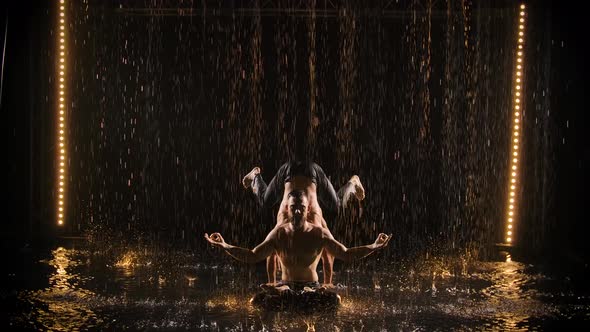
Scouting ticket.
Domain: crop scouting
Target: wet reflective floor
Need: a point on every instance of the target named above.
(77, 289)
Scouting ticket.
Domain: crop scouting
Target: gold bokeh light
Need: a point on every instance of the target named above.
(518, 85)
(61, 105)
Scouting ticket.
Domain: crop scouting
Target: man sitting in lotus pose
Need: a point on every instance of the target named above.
(309, 177)
(298, 245)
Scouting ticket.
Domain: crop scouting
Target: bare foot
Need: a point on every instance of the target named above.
(269, 284)
(283, 289)
(359, 191)
(249, 178)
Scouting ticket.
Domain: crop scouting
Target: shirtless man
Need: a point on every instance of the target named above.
(298, 244)
(310, 177)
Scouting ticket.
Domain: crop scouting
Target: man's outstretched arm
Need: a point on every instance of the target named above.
(340, 251)
(263, 250)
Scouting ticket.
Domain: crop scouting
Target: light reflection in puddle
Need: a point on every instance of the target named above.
(86, 291)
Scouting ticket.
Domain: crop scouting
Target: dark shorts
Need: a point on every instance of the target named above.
(297, 299)
(298, 286)
(300, 168)
(269, 195)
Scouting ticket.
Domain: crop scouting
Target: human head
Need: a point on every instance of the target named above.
(297, 205)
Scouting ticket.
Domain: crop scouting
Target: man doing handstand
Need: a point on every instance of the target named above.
(310, 177)
(298, 244)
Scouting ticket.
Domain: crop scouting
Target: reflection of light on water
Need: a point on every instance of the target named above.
(128, 260)
(191, 280)
(127, 263)
(63, 306)
(230, 302)
(310, 325)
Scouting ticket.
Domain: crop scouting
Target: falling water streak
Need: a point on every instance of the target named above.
(471, 206)
(256, 89)
(346, 135)
(314, 119)
(450, 154)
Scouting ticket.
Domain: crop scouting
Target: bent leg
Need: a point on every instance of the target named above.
(266, 195)
(337, 202)
(327, 196)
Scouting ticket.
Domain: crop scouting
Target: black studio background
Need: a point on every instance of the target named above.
(28, 126)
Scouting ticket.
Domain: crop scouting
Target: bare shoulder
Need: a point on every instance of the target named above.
(318, 230)
(281, 230)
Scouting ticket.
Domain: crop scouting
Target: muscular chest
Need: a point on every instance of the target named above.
(303, 248)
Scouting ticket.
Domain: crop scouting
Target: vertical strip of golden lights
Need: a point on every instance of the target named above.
(516, 128)
(61, 141)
